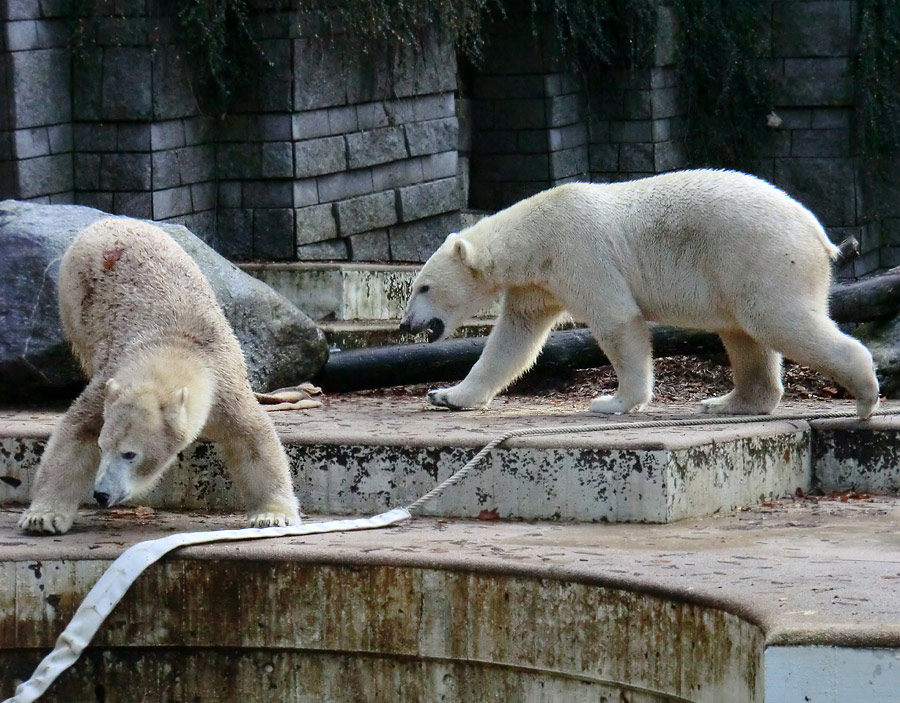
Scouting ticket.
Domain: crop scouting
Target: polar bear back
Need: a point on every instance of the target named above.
(125, 281)
(691, 248)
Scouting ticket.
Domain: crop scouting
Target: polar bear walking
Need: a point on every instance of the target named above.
(712, 250)
(164, 366)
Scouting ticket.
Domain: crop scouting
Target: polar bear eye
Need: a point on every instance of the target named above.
(129, 456)
(424, 289)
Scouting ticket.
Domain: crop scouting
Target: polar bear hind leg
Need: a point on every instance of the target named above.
(628, 348)
(757, 378)
(813, 339)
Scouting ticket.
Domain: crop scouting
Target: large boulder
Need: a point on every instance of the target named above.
(281, 344)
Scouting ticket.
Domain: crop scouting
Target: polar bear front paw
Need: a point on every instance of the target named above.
(273, 519)
(613, 405)
(44, 521)
(453, 399)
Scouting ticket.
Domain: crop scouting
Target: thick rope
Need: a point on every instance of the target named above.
(605, 426)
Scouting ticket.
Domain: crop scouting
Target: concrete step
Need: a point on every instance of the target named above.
(359, 334)
(328, 291)
(342, 292)
(363, 455)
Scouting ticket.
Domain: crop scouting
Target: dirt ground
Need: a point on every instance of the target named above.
(679, 379)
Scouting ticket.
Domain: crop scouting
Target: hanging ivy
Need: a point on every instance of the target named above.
(219, 40)
(878, 83)
(725, 89)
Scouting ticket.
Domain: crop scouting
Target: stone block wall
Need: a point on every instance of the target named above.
(636, 115)
(35, 114)
(327, 153)
(331, 153)
(529, 129)
(357, 159)
(811, 152)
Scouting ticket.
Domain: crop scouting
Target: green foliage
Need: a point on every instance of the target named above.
(726, 90)
(377, 25)
(878, 82)
(219, 41)
(599, 33)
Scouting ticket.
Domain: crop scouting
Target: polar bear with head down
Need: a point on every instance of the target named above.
(711, 250)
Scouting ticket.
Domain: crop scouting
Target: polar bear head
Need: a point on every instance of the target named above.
(144, 428)
(450, 288)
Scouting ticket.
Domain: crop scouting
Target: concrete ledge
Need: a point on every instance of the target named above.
(361, 455)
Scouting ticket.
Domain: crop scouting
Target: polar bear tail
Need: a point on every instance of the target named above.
(834, 251)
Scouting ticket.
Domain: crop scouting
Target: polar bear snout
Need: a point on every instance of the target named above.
(101, 498)
(435, 327)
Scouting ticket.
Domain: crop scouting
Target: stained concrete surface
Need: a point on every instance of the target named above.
(807, 571)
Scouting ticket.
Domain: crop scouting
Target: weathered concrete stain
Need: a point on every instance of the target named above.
(318, 632)
(857, 458)
(547, 482)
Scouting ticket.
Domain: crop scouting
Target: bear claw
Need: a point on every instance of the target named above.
(272, 519)
(47, 522)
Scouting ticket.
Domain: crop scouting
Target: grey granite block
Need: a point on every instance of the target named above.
(171, 202)
(315, 224)
(370, 246)
(41, 87)
(230, 194)
(310, 124)
(86, 171)
(203, 196)
(167, 135)
(235, 233)
(306, 192)
(133, 137)
(45, 175)
(273, 234)
(315, 157)
(337, 186)
(823, 28)
(29, 143)
(366, 213)
(125, 172)
(397, 173)
(126, 84)
(331, 250)
(427, 199)
(375, 146)
(138, 205)
(277, 160)
(416, 241)
(825, 186)
(432, 137)
(268, 194)
(440, 165)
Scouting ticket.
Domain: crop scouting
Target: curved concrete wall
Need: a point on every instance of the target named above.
(245, 631)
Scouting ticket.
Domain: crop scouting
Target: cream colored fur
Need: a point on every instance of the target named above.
(164, 367)
(710, 250)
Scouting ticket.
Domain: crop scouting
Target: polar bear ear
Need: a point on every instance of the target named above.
(113, 388)
(465, 250)
(175, 411)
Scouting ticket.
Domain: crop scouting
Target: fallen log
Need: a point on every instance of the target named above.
(870, 299)
(450, 360)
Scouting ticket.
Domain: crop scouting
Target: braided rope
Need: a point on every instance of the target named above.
(641, 425)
